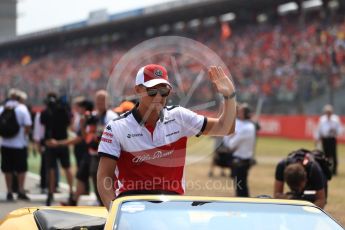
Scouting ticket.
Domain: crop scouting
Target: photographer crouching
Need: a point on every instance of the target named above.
(304, 178)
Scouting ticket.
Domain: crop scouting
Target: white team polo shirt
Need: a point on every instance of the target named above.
(150, 161)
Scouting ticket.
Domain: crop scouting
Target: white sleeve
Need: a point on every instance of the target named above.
(38, 130)
(226, 140)
(339, 126)
(317, 134)
(236, 140)
(240, 137)
(192, 123)
(109, 145)
(26, 117)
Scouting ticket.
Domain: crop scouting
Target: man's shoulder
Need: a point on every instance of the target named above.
(314, 166)
(283, 163)
(323, 118)
(172, 107)
(22, 108)
(172, 111)
(121, 118)
(177, 109)
(110, 115)
(245, 126)
(335, 118)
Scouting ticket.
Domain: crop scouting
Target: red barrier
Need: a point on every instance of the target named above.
(295, 127)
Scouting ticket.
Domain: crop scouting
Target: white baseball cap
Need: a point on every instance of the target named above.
(151, 75)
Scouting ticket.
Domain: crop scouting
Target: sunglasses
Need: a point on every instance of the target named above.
(163, 91)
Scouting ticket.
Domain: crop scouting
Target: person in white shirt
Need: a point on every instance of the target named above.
(329, 128)
(242, 145)
(14, 149)
(144, 150)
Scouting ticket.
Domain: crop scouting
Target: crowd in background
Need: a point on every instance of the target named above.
(284, 61)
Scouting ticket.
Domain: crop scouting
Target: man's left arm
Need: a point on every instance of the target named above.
(320, 198)
(318, 183)
(225, 123)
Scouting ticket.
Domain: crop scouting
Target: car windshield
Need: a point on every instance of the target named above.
(182, 215)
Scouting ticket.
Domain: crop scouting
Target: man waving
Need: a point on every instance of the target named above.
(143, 151)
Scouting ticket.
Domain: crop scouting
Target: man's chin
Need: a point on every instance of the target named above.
(157, 106)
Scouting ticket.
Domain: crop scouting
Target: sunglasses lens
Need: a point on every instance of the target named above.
(164, 92)
(152, 92)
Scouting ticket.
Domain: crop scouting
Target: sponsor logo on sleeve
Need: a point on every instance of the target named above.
(106, 140)
(107, 134)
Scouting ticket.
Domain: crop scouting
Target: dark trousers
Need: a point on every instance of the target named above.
(329, 146)
(240, 169)
(93, 171)
(44, 172)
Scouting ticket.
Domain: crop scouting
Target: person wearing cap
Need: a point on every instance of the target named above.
(329, 128)
(143, 151)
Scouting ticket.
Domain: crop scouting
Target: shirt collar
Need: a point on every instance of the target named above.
(138, 117)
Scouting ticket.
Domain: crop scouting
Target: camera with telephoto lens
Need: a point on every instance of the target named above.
(56, 104)
(91, 118)
(308, 195)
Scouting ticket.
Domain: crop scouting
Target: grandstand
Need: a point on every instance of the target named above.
(286, 53)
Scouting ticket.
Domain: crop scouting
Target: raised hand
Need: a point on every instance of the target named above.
(222, 82)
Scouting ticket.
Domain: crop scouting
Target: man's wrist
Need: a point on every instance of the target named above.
(231, 96)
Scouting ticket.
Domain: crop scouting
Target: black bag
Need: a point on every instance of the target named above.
(9, 126)
(223, 156)
(318, 156)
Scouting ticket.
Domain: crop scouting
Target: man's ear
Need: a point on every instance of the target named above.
(137, 89)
